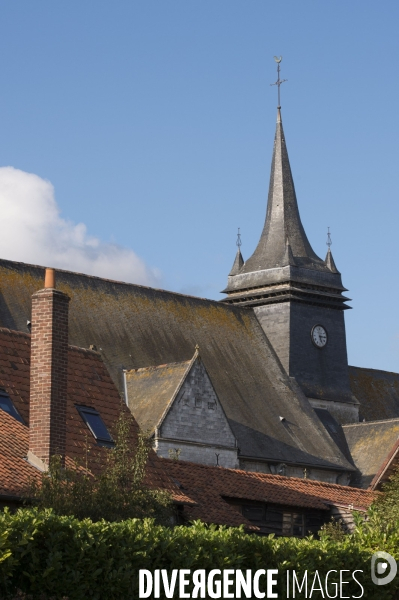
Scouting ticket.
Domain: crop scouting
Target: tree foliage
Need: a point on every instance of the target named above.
(387, 505)
(117, 492)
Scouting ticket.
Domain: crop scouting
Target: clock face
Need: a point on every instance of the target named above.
(319, 336)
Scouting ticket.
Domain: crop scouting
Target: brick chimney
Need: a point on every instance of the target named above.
(48, 373)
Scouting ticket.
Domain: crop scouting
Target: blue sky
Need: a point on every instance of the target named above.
(154, 121)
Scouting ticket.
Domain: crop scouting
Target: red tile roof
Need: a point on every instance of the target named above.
(89, 384)
(200, 488)
(207, 486)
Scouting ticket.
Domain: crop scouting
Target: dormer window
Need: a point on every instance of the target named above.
(7, 405)
(94, 422)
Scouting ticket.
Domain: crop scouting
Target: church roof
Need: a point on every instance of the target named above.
(370, 444)
(151, 390)
(135, 327)
(282, 218)
(330, 262)
(238, 262)
(283, 252)
(377, 392)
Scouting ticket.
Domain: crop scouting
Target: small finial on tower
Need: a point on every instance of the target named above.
(328, 242)
(279, 81)
(238, 242)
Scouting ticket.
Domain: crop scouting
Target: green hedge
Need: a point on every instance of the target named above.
(42, 553)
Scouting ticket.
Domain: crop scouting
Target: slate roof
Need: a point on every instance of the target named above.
(335, 430)
(151, 390)
(370, 444)
(208, 486)
(387, 468)
(136, 327)
(283, 252)
(284, 266)
(377, 392)
(238, 262)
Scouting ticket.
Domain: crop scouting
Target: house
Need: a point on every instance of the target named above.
(60, 399)
(55, 399)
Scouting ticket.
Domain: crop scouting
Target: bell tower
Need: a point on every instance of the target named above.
(297, 297)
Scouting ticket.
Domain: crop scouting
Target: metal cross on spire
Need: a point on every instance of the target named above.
(238, 242)
(279, 81)
(328, 242)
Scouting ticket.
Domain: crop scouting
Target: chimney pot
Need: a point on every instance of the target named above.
(49, 278)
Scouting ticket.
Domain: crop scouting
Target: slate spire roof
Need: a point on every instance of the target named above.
(330, 262)
(282, 219)
(283, 253)
(238, 263)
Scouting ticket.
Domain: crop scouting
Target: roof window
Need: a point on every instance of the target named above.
(94, 422)
(7, 405)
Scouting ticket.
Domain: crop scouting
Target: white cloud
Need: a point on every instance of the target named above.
(34, 232)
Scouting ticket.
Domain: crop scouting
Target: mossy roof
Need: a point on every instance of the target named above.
(134, 327)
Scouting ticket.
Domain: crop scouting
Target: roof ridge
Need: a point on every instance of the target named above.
(115, 281)
(363, 423)
(256, 474)
(371, 369)
(153, 367)
(15, 332)
(84, 350)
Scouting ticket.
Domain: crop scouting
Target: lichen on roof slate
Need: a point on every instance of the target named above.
(369, 444)
(134, 327)
(151, 390)
(377, 392)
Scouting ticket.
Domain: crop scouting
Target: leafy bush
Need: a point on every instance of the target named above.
(116, 493)
(387, 505)
(47, 555)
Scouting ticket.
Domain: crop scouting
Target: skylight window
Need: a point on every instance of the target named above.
(96, 425)
(7, 405)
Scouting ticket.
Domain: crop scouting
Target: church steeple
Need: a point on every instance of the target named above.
(283, 222)
(294, 294)
(284, 266)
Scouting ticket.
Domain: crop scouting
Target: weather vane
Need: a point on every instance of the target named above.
(238, 242)
(328, 242)
(279, 81)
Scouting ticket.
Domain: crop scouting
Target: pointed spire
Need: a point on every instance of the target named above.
(282, 219)
(329, 257)
(238, 261)
(330, 262)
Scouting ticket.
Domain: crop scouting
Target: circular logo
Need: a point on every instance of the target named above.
(383, 568)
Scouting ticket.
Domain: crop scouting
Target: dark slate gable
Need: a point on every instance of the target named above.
(134, 326)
